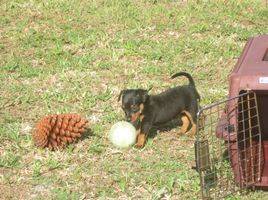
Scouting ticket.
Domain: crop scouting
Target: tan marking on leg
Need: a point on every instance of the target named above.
(185, 124)
(141, 139)
(192, 131)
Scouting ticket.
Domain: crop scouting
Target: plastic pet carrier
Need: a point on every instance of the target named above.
(232, 138)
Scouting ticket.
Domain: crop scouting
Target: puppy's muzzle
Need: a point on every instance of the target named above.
(135, 117)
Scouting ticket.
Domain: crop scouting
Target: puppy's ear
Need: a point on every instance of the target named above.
(120, 94)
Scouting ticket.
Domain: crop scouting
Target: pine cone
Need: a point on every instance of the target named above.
(56, 131)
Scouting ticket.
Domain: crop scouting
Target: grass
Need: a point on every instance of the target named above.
(76, 56)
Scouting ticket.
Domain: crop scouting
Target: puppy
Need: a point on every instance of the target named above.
(144, 110)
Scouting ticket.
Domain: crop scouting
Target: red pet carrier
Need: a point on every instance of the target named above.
(232, 137)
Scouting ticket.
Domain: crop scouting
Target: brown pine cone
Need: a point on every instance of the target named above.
(56, 131)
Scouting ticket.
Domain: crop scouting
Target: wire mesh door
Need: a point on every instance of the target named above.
(228, 146)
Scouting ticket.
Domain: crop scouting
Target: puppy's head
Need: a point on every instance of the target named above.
(133, 103)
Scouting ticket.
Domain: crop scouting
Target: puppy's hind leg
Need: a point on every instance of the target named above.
(192, 131)
(185, 124)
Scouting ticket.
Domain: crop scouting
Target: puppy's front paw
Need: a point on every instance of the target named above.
(141, 140)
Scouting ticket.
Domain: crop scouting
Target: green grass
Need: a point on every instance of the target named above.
(76, 56)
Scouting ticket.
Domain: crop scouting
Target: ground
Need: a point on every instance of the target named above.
(60, 56)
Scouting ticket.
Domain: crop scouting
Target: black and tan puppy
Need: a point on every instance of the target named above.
(144, 110)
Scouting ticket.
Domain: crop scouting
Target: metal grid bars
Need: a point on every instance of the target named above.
(249, 140)
(228, 146)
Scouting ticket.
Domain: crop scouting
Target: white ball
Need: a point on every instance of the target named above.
(123, 134)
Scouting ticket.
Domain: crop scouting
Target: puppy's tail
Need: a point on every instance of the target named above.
(191, 82)
(190, 78)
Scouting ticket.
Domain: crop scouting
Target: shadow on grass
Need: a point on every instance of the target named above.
(165, 127)
(88, 133)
